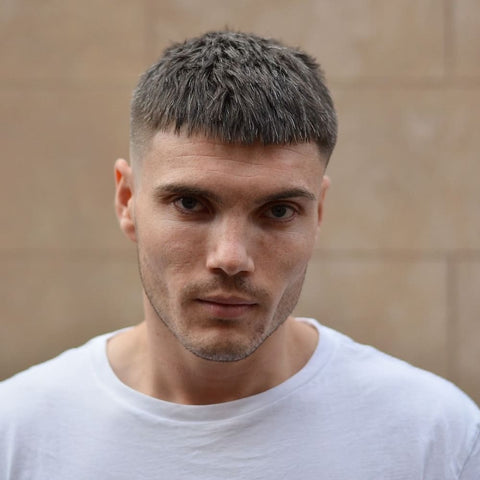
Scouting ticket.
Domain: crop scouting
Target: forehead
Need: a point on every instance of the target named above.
(196, 158)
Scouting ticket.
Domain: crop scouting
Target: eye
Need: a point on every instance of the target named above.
(188, 204)
(281, 212)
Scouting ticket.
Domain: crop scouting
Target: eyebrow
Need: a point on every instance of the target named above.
(193, 191)
(290, 193)
(185, 190)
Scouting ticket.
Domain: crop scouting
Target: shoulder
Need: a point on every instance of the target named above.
(40, 407)
(404, 401)
(42, 385)
(396, 381)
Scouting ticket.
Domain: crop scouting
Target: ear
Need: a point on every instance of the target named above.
(124, 198)
(323, 191)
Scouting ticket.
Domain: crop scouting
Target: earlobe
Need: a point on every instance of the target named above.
(124, 198)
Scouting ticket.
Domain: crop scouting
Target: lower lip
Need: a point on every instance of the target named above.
(226, 311)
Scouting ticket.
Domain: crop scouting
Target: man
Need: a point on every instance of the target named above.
(230, 138)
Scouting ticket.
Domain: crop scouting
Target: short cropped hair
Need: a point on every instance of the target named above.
(235, 88)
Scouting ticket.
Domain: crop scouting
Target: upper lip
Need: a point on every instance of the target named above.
(227, 300)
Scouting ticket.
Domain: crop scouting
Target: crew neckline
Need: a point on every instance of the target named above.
(135, 400)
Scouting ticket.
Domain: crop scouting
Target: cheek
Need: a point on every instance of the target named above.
(170, 247)
(288, 257)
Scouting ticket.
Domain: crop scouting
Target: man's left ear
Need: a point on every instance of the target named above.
(323, 191)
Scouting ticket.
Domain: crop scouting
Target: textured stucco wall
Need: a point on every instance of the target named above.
(398, 261)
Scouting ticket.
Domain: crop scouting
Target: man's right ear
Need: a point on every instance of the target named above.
(124, 198)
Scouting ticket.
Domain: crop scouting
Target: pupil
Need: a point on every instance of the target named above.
(279, 211)
(188, 203)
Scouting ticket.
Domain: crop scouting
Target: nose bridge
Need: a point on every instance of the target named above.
(230, 248)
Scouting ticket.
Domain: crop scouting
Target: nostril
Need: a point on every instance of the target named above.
(231, 258)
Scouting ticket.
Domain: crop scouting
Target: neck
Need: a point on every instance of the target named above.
(146, 359)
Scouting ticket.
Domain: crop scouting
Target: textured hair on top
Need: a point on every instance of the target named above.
(235, 88)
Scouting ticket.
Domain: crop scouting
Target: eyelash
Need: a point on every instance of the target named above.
(293, 212)
(204, 208)
(177, 203)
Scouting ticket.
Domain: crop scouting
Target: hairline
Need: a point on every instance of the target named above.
(139, 152)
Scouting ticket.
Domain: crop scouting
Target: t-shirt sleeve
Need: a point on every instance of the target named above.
(471, 469)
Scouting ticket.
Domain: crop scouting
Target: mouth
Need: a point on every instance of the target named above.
(227, 307)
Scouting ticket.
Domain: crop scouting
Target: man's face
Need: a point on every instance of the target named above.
(224, 234)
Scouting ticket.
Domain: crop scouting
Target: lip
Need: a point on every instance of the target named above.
(227, 300)
(227, 307)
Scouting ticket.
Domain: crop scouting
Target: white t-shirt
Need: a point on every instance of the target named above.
(351, 413)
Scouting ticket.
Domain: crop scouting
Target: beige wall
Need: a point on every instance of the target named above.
(398, 261)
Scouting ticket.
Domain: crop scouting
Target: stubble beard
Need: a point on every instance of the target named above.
(226, 351)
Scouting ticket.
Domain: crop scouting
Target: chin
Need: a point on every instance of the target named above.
(221, 356)
(223, 352)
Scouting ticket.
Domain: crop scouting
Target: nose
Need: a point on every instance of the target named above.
(228, 248)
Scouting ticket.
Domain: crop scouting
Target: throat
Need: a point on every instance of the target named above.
(181, 377)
